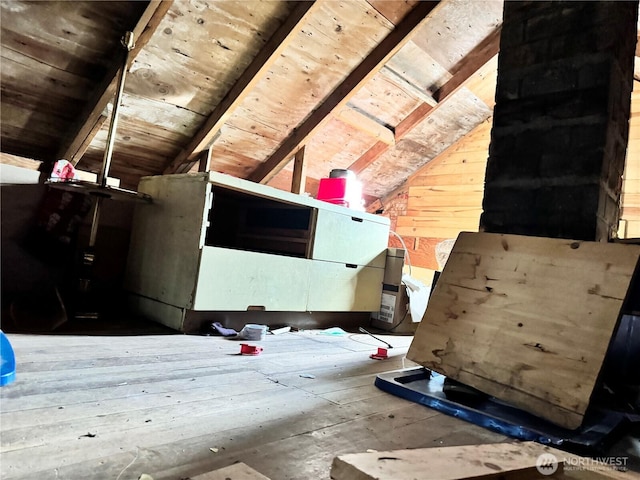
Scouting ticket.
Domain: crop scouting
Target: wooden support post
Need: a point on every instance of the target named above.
(205, 161)
(299, 179)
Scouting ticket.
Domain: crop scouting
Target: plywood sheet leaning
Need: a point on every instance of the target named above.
(526, 319)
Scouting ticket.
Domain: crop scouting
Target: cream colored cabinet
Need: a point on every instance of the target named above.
(237, 280)
(211, 242)
(344, 287)
(350, 238)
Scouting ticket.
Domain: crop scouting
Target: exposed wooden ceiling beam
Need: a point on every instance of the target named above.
(369, 156)
(393, 42)
(403, 83)
(204, 160)
(86, 128)
(414, 118)
(258, 68)
(299, 178)
(365, 124)
(478, 57)
(379, 147)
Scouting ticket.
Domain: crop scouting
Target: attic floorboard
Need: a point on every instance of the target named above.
(159, 403)
(175, 406)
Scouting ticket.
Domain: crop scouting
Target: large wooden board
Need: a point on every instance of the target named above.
(526, 319)
(505, 461)
(495, 460)
(237, 471)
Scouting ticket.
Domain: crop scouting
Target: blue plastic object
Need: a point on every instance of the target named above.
(8, 368)
(422, 386)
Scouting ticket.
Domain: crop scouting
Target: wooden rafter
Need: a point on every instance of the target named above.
(204, 160)
(472, 62)
(88, 125)
(258, 68)
(393, 42)
(476, 59)
(299, 178)
(365, 124)
(405, 84)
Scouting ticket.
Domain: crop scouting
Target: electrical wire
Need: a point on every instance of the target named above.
(393, 327)
(405, 249)
(131, 463)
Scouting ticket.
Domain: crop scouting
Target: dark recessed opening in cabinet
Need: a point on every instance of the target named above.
(246, 222)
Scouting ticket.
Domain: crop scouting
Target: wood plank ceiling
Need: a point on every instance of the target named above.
(377, 86)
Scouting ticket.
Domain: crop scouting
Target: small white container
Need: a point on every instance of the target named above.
(251, 331)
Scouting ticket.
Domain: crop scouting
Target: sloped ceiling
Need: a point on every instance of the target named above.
(381, 87)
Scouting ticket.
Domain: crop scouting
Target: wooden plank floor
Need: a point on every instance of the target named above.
(175, 406)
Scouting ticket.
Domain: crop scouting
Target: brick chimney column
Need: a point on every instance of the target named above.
(561, 120)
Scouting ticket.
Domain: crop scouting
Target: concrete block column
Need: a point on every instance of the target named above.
(561, 120)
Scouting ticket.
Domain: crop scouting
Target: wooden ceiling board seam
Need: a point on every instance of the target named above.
(137, 161)
(248, 120)
(159, 114)
(340, 96)
(368, 157)
(79, 133)
(315, 62)
(457, 30)
(365, 124)
(30, 145)
(153, 145)
(281, 100)
(149, 160)
(483, 84)
(164, 104)
(427, 75)
(57, 81)
(454, 120)
(483, 54)
(136, 132)
(383, 100)
(486, 50)
(161, 76)
(371, 155)
(244, 144)
(35, 122)
(256, 70)
(49, 49)
(46, 105)
(201, 49)
(393, 10)
(406, 85)
(336, 145)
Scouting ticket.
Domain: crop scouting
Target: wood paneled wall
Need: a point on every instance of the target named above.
(441, 199)
(445, 197)
(630, 217)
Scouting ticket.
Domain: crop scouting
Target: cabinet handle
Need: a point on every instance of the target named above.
(356, 219)
(351, 265)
